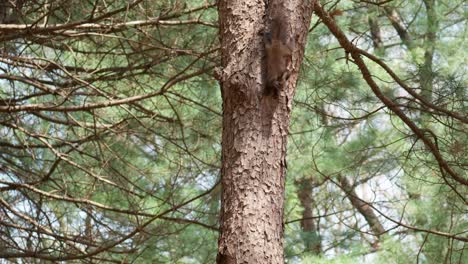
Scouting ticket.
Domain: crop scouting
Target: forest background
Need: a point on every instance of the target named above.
(111, 119)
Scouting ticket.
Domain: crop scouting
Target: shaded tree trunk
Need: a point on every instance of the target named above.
(311, 236)
(427, 75)
(255, 129)
(363, 207)
(399, 26)
(9, 11)
(426, 72)
(375, 32)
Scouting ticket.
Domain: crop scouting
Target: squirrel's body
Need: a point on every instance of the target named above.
(278, 56)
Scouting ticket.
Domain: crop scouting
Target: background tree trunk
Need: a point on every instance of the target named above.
(309, 225)
(362, 206)
(255, 130)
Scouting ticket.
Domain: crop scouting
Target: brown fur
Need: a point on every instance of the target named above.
(278, 56)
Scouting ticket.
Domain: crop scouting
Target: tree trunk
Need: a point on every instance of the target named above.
(311, 236)
(427, 74)
(362, 206)
(9, 11)
(255, 129)
(399, 26)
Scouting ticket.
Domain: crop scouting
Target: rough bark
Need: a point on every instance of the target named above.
(255, 129)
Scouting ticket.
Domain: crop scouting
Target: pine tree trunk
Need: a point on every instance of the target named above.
(255, 130)
(310, 236)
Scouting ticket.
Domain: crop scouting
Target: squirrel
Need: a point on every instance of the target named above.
(335, 13)
(278, 56)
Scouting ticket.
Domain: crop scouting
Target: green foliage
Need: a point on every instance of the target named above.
(95, 174)
(343, 259)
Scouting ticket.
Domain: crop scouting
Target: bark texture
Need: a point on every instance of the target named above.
(255, 129)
